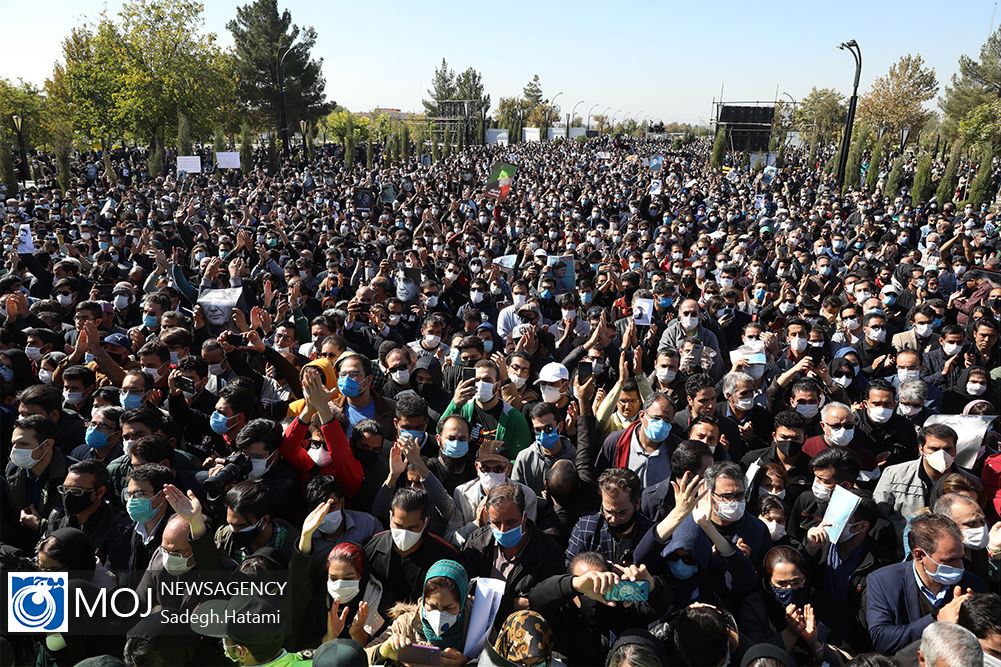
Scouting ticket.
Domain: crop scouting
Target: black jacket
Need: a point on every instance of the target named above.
(896, 436)
(540, 557)
(108, 532)
(385, 563)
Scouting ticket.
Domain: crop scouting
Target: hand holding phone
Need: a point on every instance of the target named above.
(629, 591)
(419, 654)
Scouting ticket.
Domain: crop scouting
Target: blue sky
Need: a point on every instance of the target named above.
(666, 60)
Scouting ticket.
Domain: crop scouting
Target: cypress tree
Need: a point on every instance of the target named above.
(981, 189)
(947, 185)
(719, 149)
(246, 148)
(894, 179)
(872, 176)
(184, 145)
(922, 188)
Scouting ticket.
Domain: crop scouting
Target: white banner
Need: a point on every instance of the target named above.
(228, 160)
(191, 164)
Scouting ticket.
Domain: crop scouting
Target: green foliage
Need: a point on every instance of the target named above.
(981, 189)
(469, 86)
(983, 124)
(872, 176)
(446, 151)
(218, 140)
(719, 149)
(832, 163)
(922, 188)
(259, 31)
(350, 140)
(93, 73)
(246, 148)
(825, 110)
(897, 99)
(434, 147)
(950, 179)
(63, 167)
(853, 166)
(894, 179)
(7, 173)
(533, 92)
(271, 153)
(443, 88)
(26, 101)
(405, 143)
(184, 144)
(977, 83)
(581, 140)
(369, 153)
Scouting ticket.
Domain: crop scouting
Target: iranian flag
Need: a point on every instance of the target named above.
(499, 184)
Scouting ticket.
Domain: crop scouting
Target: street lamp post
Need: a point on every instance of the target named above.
(555, 111)
(846, 140)
(281, 92)
(612, 123)
(593, 106)
(604, 114)
(571, 116)
(20, 148)
(302, 129)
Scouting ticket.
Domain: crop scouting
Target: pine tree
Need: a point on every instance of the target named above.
(719, 149)
(894, 179)
(63, 166)
(872, 176)
(947, 185)
(922, 188)
(853, 167)
(981, 188)
(184, 145)
(246, 149)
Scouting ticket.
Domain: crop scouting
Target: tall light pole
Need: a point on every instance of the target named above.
(20, 148)
(846, 140)
(572, 115)
(612, 123)
(281, 92)
(588, 129)
(302, 128)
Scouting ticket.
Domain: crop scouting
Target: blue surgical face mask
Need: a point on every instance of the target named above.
(130, 401)
(682, 570)
(548, 440)
(454, 449)
(219, 423)
(348, 386)
(140, 509)
(419, 436)
(759, 294)
(150, 321)
(488, 346)
(96, 439)
(665, 302)
(546, 294)
(946, 574)
(586, 298)
(507, 538)
(657, 430)
(7, 373)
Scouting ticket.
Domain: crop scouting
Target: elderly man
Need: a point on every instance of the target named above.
(838, 424)
(687, 325)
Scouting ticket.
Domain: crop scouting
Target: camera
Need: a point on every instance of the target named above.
(236, 467)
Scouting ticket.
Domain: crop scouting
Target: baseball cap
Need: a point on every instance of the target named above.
(119, 339)
(340, 653)
(494, 450)
(553, 372)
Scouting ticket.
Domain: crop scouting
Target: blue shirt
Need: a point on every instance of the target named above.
(936, 600)
(355, 415)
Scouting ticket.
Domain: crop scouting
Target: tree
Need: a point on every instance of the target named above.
(369, 153)
(405, 142)
(168, 66)
(872, 175)
(894, 179)
(947, 184)
(977, 83)
(533, 92)
(246, 148)
(983, 125)
(922, 188)
(271, 156)
(719, 149)
(93, 73)
(446, 151)
(897, 99)
(261, 36)
(58, 121)
(853, 166)
(8, 175)
(184, 136)
(824, 109)
(981, 190)
(155, 162)
(27, 101)
(443, 88)
(434, 146)
(469, 86)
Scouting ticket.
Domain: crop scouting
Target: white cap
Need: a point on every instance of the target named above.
(553, 372)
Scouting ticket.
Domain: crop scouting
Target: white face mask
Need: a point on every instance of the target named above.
(776, 530)
(431, 301)
(216, 369)
(519, 300)
(484, 391)
(851, 324)
(877, 334)
(975, 388)
(905, 374)
(320, 456)
(666, 375)
(841, 437)
(440, 621)
(843, 381)
(23, 458)
(551, 394)
(808, 410)
(489, 480)
(762, 492)
(939, 460)
(405, 540)
(744, 403)
(401, 377)
(689, 323)
(45, 376)
(431, 340)
(908, 410)
(175, 564)
(922, 330)
(880, 415)
(518, 382)
(257, 468)
(343, 590)
(821, 492)
(951, 349)
(730, 510)
(756, 371)
(975, 538)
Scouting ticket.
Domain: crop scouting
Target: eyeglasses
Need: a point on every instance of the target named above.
(687, 559)
(842, 425)
(130, 495)
(317, 444)
(73, 490)
(549, 428)
(101, 426)
(736, 496)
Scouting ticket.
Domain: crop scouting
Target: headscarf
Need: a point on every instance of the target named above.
(525, 637)
(453, 636)
(77, 554)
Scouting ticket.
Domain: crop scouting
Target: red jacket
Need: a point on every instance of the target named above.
(343, 465)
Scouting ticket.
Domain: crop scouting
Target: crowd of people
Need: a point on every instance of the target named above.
(609, 413)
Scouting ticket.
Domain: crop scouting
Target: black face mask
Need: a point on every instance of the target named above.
(366, 457)
(76, 504)
(423, 388)
(621, 529)
(244, 540)
(789, 447)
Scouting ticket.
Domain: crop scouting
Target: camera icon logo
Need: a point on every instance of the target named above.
(37, 602)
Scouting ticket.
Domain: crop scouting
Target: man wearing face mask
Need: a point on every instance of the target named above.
(147, 507)
(618, 527)
(401, 556)
(687, 325)
(901, 600)
(554, 385)
(875, 354)
(340, 524)
(920, 337)
(478, 401)
(644, 446)
(85, 506)
(891, 434)
(838, 424)
(493, 468)
(250, 526)
(358, 401)
(944, 364)
(905, 488)
(510, 547)
(841, 569)
(35, 470)
(833, 467)
(786, 450)
(977, 537)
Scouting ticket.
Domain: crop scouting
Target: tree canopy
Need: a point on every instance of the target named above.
(897, 98)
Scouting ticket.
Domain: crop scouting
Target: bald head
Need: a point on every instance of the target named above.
(176, 536)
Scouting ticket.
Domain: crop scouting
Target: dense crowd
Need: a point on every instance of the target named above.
(744, 419)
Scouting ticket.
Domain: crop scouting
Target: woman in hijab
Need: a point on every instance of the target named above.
(844, 373)
(440, 619)
(971, 386)
(15, 374)
(525, 639)
(68, 550)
